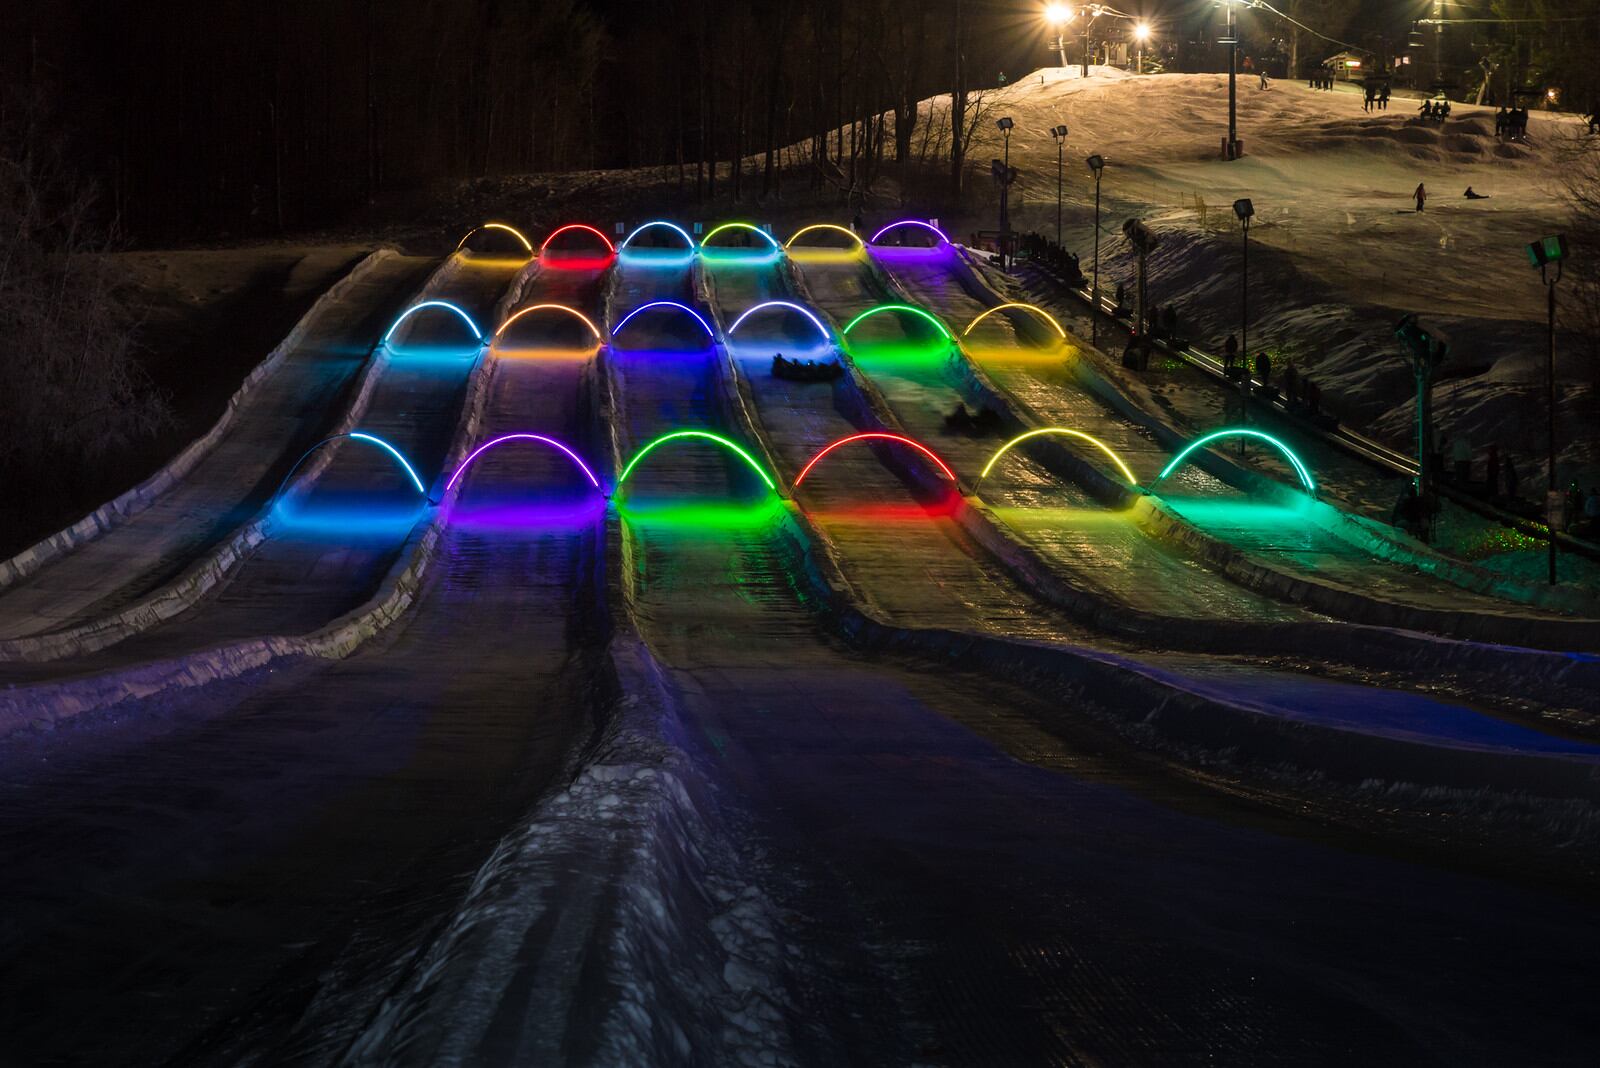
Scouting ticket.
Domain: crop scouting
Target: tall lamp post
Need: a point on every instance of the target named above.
(1097, 164)
(1231, 149)
(1429, 348)
(1060, 134)
(1141, 34)
(1058, 15)
(1006, 178)
(1245, 210)
(1091, 13)
(1541, 254)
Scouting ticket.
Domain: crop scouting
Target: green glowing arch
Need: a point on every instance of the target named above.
(914, 310)
(732, 446)
(1295, 462)
(1123, 468)
(705, 242)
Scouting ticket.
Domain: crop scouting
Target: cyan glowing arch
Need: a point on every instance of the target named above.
(357, 435)
(665, 304)
(705, 242)
(881, 308)
(678, 435)
(662, 223)
(779, 304)
(870, 435)
(851, 234)
(1295, 462)
(513, 231)
(1123, 468)
(911, 222)
(502, 439)
(409, 312)
(577, 226)
(584, 319)
(1035, 309)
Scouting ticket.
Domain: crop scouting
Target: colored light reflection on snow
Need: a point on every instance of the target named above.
(1295, 462)
(503, 513)
(654, 513)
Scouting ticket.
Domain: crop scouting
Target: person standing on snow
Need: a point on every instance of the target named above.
(1422, 196)
(1263, 78)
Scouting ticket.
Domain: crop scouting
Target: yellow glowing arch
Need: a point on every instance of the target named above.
(1034, 308)
(512, 230)
(1123, 468)
(595, 330)
(851, 234)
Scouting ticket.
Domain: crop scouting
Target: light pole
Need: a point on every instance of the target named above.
(1245, 210)
(1097, 164)
(1428, 350)
(1058, 15)
(1060, 134)
(1141, 34)
(1091, 13)
(1005, 126)
(1231, 149)
(1542, 254)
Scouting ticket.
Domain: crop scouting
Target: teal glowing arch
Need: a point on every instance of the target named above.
(1295, 462)
(678, 435)
(415, 308)
(908, 308)
(370, 439)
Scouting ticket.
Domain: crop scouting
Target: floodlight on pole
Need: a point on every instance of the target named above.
(1060, 134)
(1057, 16)
(1542, 254)
(1097, 163)
(1141, 34)
(1245, 211)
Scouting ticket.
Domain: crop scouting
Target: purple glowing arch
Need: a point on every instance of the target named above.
(666, 304)
(912, 222)
(502, 439)
(780, 304)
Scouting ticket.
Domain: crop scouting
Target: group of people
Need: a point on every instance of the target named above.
(1321, 78)
(1511, 124)
(1053, 258)
(805, 370)
(1434, 110)
(1301, 395)
(1375, 97)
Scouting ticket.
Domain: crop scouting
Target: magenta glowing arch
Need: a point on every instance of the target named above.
(666, 304)
(663, 225)
(780, 304)
(869, 436)
(502, 439)
(577, 226)
(940, 234)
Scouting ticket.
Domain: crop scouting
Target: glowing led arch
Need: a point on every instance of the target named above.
(912, 309)
(663, 224)
(1295, 462)
(677, 435)
(911, 222)
(1124, 469)
(851, 234)
(584, 319)
(409, 312)
(705, 242)
(1035, 309)
(779, 304)
(870, 435)
(513, 231)
(357, 435)
(577, 226)
(665, 304)
(502, 439)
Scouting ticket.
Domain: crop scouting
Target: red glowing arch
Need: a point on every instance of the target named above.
(898, 438)
(610, 248)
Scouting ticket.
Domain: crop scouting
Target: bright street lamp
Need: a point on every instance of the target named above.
(1141, 34)
(1058, 15)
